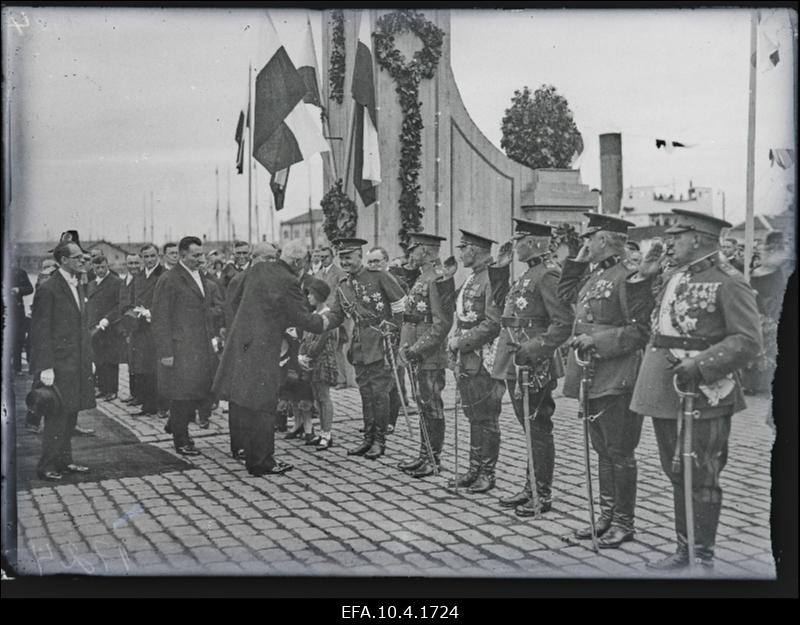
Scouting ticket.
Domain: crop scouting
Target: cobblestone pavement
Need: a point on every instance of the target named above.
(336, 515)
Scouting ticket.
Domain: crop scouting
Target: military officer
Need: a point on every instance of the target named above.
(474, 341)
(375, 301)
(427, 319)
(705, 326)
(611, 327)
(535, 317)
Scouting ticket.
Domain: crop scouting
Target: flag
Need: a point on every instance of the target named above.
(240, 143)
(307, 66)
(366, 159)
(669, 145)
(768, 50)
(277, 183)
(782, 158)
(284, 132)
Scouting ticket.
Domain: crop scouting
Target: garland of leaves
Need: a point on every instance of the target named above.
(407, 77)
(341, 215)
(336, 68)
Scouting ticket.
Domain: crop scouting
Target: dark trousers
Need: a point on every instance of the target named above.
(148, 392)
(541, 406)
(57, 442)
(237, 426)
(181, 411)
(374, 383)
(396, 399)
(107, 375)
(481, 401)
(259, 447)
(430, 383)
(615, 433)
(710, 449)
(134, 384)
(19, 327)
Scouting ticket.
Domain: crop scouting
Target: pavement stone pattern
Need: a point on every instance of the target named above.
(335, 515)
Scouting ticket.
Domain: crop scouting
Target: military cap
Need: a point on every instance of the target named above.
(633, 245)
(345, 246)
(470, 238)
(525, 228)
(423, 238)
(692, 221)
(609, 223)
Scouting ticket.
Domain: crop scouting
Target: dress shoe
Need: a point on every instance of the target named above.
(375, 451)
(239, 455)
(614, 537)
(515, 500)
(424, 470)
(143, 413)
(678, 560)
(340, 387)
(33, 429)
(411, 465)
(167, 428)
(187, 450)
(163, 414)
(75, 468)
(204, 424)
(294, 433)
(312, 439)
(323, 444)
(82, 432)
(482, 484)
(600, 527)
(133, 401)
(527, 509)
(389, 428)
(278, 468)
(363, 448)
(109, 397)
(468, 479)
(51, 476)
(98, 395)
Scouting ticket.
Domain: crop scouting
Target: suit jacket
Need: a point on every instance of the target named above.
(103, 303)
(60, 341)
(230, 271)
(182, 329)
(233, 297)
(533, 315)
(711, 302)
(271, 301)
(143, 351)
(617, 322)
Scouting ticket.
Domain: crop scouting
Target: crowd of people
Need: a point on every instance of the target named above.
(272, 331)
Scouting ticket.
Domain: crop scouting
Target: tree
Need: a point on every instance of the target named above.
(539, 131)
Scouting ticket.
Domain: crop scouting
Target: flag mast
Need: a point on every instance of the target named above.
(249, 155)
(229, 204)
(152, 217)
(255, 203)
(751, 141)
(216, 174)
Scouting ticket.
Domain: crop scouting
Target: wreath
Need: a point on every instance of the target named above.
(336, 68)
(341, 215)
(407, 76)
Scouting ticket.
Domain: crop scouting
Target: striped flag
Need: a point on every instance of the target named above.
(307, 66)
(366, 159)
(240, 143)
(783, 158)
(277, 184)
(284, 131)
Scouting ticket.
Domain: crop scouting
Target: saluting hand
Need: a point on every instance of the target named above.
(505, 254)
(583, 254)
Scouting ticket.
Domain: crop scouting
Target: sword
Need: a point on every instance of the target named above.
(456, 407)
(426, 439)
(583, 405)
(525, 375)
(689, 414)
(389, 348)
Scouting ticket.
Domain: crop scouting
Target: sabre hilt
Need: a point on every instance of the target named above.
(583, 358)
(689, 391)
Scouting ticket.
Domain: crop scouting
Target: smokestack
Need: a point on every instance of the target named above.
(611, 172)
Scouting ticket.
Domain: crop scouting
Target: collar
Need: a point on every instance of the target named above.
(71, 279)
(191, 272)
(701, 264)
(98, 279)
(243, 267)
(149, 272)
(607, 263)
(536, 260)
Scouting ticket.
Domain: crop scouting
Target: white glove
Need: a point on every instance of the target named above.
(103, 324)
(94, 369)
(215, 344)
(146, 315)
(304, 361)
(48, 376)
(292, 332)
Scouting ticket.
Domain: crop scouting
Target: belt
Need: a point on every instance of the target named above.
(680, 342)
(518, 322)
(409, 318)
(369, 323)
(467, 325)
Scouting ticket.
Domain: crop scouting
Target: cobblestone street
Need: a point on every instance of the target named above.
(336, 515)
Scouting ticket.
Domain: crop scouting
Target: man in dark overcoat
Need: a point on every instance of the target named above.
(248, 374)
(61, 354)
(182, 329)
(143, 351)
(127, 322)
(103, 305)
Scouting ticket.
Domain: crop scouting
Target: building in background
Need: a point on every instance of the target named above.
(652, 206)
(300, 227)
(557, 196)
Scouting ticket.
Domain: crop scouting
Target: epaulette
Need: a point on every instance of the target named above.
(729, 269)
(343, 279)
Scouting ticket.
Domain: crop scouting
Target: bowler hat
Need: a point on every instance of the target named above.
(44, 401)
(319, 288)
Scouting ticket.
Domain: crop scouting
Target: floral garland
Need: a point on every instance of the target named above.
(341, 215)
(407, 76)
(337, 65)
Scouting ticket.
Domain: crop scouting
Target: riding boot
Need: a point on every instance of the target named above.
(369, 435)
(379, 439)
(471, 475)
(490, 449)
(522, 497)
(605, 478)
(544, 457)
(435, 428)
(625, 504)
(706, 516)
(409, 466)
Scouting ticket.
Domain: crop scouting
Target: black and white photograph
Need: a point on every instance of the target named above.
(391, 293)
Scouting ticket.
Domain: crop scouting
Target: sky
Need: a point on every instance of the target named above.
(113, 106)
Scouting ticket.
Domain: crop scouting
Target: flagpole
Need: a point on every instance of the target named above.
(255, 203)
(144, 218)
(751, 143)
(152, 217)
(216, 174)
(310, 212)
(229, 205)
(249, 156)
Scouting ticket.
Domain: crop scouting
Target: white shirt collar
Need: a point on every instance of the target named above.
(98, 279)
(71, 279)
(148, 272)
(193, 272)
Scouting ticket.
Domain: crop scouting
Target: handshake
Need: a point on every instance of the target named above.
(141, 311)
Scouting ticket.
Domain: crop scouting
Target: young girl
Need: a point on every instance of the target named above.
(318, 355)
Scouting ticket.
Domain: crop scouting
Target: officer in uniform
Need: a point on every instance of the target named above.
(375, 302)
(611, 327)
(535, 317)
(427, 319)
(705, 326)
(474, 342)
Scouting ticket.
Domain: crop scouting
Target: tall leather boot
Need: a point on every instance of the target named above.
(679, 559)
(468, 478)
(544, 457)
(409, 466)
(622, 523)
(605, 477)
(520, 498)
(435, 429)
(490, 450)
(706, 516)
(379, 437)
(369, 432)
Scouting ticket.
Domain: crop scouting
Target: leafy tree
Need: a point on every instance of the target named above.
(539, 131)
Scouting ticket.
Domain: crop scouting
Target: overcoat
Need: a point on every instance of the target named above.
(143, 350)
(103, 303)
